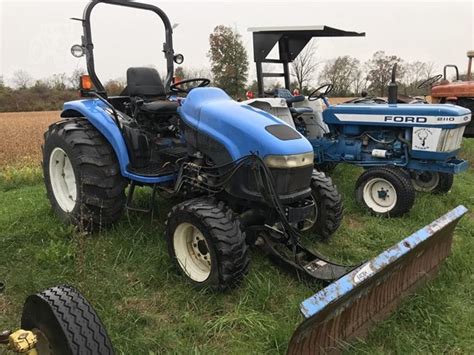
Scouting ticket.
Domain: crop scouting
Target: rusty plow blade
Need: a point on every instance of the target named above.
(345, 309)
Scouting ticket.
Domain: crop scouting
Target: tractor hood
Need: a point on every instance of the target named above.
(455, 89)
(240, 129)
(405, 115)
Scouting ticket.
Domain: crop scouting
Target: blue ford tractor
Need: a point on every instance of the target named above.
(402, 147)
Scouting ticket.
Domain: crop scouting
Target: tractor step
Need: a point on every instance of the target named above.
(345, 309)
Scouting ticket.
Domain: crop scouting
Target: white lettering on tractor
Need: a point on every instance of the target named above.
(446, 119)
(406, 119)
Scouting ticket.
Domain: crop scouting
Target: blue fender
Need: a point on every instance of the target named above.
(100, 116)
(240, 128)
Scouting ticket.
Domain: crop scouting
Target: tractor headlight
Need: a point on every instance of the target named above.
(289, 161)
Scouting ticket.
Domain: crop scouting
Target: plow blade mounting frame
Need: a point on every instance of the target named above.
(346, 308)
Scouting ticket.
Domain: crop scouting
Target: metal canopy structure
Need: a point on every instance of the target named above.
(291, 41)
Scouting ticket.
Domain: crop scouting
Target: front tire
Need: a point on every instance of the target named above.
(65, 323)
(329, 208)
(432, 182)
(82, 175)
(205, 240)
(385, 192)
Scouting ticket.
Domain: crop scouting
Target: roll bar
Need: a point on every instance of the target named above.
(450, 66)
(89, 46)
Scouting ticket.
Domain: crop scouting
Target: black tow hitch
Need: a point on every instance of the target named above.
(295, 214)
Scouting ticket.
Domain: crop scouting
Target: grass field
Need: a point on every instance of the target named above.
(149, 309)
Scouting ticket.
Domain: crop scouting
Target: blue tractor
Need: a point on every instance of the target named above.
(242, 172)
(402, 147)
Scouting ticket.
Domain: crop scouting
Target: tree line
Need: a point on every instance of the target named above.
(229, 70)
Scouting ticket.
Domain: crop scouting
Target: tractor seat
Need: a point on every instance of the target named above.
(146, 84)
(300, 110)
(286, 94)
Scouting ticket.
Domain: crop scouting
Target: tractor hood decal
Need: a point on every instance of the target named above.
(430, 120)
(402, 114)
(239, 128)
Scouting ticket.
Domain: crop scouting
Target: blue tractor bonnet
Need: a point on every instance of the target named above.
(241, 129)
(447, 116)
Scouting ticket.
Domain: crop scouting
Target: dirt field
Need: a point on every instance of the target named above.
(21, 135)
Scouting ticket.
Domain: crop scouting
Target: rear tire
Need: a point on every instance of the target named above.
(82, 175)
(385, 192)
(206, 242)
(65, 323)
(432, 182)
(329, 206)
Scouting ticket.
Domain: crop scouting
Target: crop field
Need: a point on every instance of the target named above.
(21, 134)
(148, 308)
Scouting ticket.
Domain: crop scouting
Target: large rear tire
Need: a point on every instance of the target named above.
(65, 323)
(82, 175)
(206, 242)
(328, 213)
(385, 191)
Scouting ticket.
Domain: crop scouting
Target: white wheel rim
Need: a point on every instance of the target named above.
(426, 181)
(192, 252)
(380, 195)
(63, 180)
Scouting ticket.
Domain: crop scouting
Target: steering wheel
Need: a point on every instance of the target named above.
(176, 87)
(316, 94)
(430, 81)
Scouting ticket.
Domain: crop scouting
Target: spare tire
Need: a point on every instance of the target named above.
(65, 323)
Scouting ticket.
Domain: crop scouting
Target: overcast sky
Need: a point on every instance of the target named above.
(36, 36)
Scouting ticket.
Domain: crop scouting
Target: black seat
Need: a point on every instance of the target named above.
(290, 99)
(146, 84)
(300, 110)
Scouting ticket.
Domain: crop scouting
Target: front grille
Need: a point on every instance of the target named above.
(450, 139)
(292, 180)
(287, 182)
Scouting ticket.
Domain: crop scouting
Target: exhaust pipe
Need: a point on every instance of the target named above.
(347, 308)
(393, 87)
(470, 55)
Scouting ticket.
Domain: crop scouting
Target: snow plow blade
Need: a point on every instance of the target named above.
(347, 308)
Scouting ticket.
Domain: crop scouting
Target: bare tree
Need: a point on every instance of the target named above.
(414, 74)
(380, 70)
(73, 79)
(58, 81)
(342, 73)
(361, 81)
(22, 79)
(305, 65)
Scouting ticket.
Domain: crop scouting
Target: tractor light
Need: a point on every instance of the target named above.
(289, 161)
(77, 50)
(86, 83)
